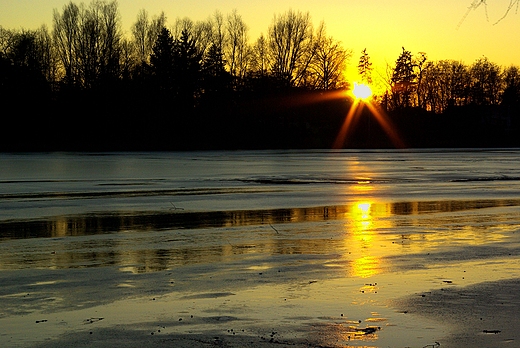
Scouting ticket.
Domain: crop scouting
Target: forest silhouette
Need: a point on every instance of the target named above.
(85, 86)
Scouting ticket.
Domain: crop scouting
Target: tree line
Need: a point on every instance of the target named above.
(434, 86)
(87, 45)
(85, 85)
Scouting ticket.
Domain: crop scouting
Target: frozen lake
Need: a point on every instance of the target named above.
(327, 238)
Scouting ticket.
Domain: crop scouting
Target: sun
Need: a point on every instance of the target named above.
(361, 91)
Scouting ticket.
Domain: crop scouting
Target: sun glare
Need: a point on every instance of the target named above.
(361, 91)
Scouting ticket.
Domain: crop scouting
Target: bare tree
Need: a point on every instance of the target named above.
(87, 50)
(32, 51)
(88, 42)
(156, 25)
(291, 46)
(99, 42)
(328, 62)
(145, 33)
(202, 35)
(180, 25)
(139, 32)
(111, 37)
(420, 64)
(6, 41)
(511, 94)
(200, 32)
(65, 34)
(218, 31)
(237, 49)
(128, 58)
(486, 82)
(47, 54)
(513, 4)
(259, 63)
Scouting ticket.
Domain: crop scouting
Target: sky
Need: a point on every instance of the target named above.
(440, 28)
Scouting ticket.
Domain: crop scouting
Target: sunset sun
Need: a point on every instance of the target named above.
(361, 91)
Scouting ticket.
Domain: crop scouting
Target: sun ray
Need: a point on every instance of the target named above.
(362, 98)
(352, 114)
(386, 123)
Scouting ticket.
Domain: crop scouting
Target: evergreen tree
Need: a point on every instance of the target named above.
(365, 67)
(214, 75)
(404, 68)
(403, 80)
(162, 60)
(187, 68)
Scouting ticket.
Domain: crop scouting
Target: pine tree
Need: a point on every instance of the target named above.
(214, 75)
(365, 67)
(162, 60)
(404, 68)
(187, 68)
(404, 80)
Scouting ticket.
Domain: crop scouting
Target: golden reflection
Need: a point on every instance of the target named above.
(366, 266)
(372, 233)
(361, 241)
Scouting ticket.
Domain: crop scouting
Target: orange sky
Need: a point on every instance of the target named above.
(380, 26)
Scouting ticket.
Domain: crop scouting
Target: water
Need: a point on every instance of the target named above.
(182, 223)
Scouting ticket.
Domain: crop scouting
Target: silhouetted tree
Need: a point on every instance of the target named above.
(446, 83)
(213, 66)
(291, 46)
(203, 36)
(187, 69)
(511, 93)
(65, 34)
(25, 92)
(459, 83)
(201, 77)
(218, 32)
(403, 80)
(6, 41)
(511, 96)
(99, 36)
(88, 42)
(365, 67)
(486, 82)
(31, 49)
(110, 40)
(162, 61)
(237, 48)
(328, 64)
(145, 33)
(216, 83)
(259, 63)
(421, 64)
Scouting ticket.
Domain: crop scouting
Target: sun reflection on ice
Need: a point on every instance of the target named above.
(365, 264)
